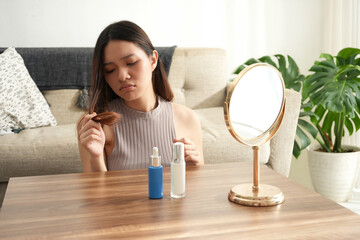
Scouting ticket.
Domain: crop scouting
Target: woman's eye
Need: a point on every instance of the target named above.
(131, 63)
(109, 71)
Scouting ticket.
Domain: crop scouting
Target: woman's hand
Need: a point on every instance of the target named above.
(91, 136)
(191, 151)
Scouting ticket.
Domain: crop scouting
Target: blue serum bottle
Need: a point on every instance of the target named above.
(155, 172)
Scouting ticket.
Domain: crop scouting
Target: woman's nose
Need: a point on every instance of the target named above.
(124, 75)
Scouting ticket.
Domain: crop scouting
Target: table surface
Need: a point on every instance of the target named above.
(116, 205)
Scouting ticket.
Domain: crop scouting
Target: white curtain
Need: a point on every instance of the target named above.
(342, 29)
(341, 19)
(341, 25)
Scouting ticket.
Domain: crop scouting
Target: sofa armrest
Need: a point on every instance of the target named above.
(228, 86)
(282, 143)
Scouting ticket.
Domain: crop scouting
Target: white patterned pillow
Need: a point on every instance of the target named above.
(21, 103)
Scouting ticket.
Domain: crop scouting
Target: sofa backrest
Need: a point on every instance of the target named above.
(68, 68)
(58, 68)
(198, 77)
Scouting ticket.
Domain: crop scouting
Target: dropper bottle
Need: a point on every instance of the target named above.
(178, 171)
(155, 173)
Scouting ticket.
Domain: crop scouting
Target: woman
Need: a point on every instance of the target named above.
(128, 78)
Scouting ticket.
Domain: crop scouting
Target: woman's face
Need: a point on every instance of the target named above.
(128, 70)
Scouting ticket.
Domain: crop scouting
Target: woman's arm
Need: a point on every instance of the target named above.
(188, 131)
(91, 142)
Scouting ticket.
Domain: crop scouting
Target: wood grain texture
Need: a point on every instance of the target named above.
(3, 186)
(115, 205)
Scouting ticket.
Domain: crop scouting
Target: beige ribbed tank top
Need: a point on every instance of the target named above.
(138, 132)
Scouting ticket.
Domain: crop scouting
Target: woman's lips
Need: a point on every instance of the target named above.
(127, 87)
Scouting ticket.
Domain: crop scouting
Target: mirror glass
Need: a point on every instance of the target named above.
(256, 101)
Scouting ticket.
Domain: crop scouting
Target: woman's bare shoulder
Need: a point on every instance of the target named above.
(183, 112)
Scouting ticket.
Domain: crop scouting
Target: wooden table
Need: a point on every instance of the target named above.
(116, 205)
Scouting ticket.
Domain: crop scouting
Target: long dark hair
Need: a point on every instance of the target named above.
(100, 91)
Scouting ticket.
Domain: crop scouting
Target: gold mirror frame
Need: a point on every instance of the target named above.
(255, 194)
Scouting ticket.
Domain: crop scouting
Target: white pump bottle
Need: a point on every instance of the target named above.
(178, 171)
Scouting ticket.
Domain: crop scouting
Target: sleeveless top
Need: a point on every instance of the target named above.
(138, 132)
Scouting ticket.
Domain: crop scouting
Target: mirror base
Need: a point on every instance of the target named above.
(266, 195)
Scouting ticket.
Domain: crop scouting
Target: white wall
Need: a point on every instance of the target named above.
(245, 28)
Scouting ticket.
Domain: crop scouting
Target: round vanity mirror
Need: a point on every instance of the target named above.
(254, 104)
(253, 112)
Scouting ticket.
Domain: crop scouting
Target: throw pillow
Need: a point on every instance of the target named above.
(21, 103)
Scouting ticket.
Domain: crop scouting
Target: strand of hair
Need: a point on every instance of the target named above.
(107, 118)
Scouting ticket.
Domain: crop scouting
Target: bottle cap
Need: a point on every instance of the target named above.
(155, 159)
(178, 152)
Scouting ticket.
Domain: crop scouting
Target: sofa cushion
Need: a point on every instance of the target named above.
(62, 105)
(219, 146)
(40, 151)
(21, 103)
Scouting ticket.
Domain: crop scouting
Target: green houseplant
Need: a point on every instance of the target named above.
(293, 79)
(332, 94)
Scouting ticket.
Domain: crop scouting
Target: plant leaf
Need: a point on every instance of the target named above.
(282, 63)
(308, 114)
(329, 120)
(356, 121)
(309, 127)
(348, 52)
(296, 150)
(319, 113)
(349, 126)
(304, 139)
(326, 56)
(267, 59)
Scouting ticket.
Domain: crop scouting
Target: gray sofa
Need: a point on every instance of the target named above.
(198, 77)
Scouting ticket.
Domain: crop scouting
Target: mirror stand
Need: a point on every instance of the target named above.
(256, 194)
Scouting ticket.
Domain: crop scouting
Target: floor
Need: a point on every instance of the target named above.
(354, 202)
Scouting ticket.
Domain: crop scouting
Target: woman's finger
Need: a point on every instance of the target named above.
(90, 124)
(92, 131)
(193, 159)
(90, 138)
(192, 152)
(86, 118)
(190, 147)
(185, 141)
